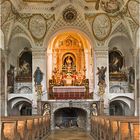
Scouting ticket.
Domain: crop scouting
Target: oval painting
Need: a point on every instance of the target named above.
(37, 26)
(101, 26)
(133, 8)
(5, 11)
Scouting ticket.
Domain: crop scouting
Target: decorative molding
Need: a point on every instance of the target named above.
(133, 8)
(101, 26)
(69, 14)
(38, 53)
(5, 11)
(37, 26)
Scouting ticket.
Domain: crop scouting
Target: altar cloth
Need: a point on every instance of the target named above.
(65, 89)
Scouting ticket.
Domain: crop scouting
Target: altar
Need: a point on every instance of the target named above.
(70, 92)
(68, 89)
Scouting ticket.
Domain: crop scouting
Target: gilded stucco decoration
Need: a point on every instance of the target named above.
(69, 15)
(133, 8)
(37, 26)
(6, 9)
(101, 26)
(111, 6)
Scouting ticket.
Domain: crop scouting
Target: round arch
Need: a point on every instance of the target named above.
(54, 58)
(51, 36)
(70, 117)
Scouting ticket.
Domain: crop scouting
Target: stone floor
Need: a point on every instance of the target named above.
(69, 134)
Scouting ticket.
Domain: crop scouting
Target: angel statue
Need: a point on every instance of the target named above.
(38, 76)
(101, 74)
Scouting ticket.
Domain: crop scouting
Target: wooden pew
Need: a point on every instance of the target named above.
(114, 127)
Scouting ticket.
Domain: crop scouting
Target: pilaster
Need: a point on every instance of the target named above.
(38, 60)
(101, 56)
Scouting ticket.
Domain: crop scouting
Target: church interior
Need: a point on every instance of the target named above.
(69, 69)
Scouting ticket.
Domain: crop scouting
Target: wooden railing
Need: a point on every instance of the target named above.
(115, 128)
(25, 127)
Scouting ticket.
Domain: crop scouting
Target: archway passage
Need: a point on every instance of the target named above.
(119, 108)
(70, 60)
(26, 110)
(70, 118)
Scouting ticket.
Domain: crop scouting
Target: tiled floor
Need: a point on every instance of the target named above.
(69, 134)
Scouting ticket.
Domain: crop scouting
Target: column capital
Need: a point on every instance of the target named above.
(101, 53)
(38, 53)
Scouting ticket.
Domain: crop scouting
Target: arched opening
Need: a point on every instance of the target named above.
(119, 108)
(19, 107)
(70, 60)
(70, 118)
(26, 109)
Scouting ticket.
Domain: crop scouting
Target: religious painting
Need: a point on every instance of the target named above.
(116, 61)
(25, 64)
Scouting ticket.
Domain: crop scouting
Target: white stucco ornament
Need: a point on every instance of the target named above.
(101, 26)
(5, 11)
(37, 26)
(133, 8)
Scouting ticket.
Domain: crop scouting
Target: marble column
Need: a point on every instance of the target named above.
(101, 56)
(38, 60)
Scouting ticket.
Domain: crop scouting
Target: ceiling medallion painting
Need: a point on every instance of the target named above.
(111, 6)
(38, 1)
(37, 26)
(133, 8)
(69, 15)
(101, 26)
(6, 9)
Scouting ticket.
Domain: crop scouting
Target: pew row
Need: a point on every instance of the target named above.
(25, 127)
(115, 128)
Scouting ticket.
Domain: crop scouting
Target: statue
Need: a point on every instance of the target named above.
(69, 61)
(131, 75)
(101, 74)
(94, 111)
(38, 76)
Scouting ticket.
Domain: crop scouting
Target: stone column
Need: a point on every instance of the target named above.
(137, 75)
(3, 82)
(101, 56)
(38, 60)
